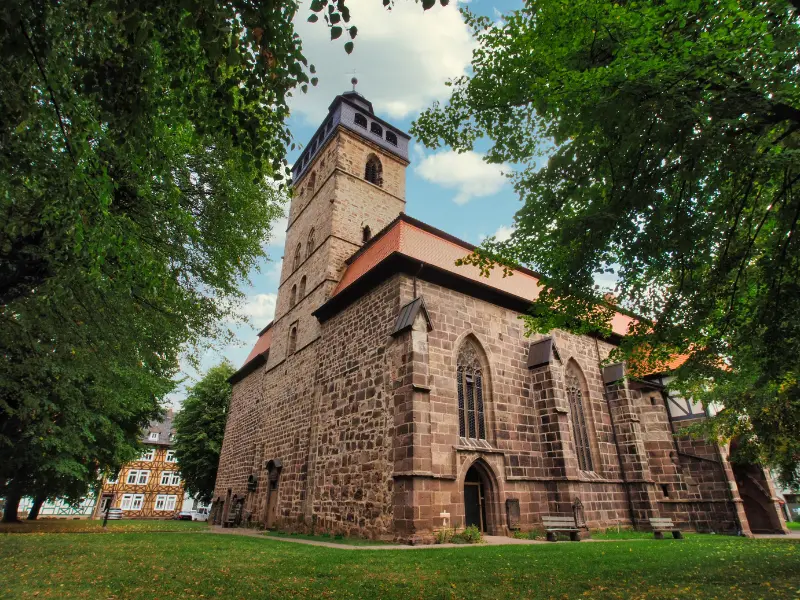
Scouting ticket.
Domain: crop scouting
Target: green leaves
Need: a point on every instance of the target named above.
(130, 212)
(200, 427)
(671, 140)
(336, 32)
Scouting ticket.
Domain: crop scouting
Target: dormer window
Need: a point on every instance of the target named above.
(361, 120)
(153, 436)
(391, 138)
(373, 172)
(376, 129)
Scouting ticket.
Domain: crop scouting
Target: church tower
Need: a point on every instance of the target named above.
(349, 183)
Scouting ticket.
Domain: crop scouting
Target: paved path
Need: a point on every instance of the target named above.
(489, 540)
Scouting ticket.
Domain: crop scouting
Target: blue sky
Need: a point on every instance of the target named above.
(402, 59)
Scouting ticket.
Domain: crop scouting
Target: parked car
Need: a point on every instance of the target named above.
(201, 514)
(184, 515)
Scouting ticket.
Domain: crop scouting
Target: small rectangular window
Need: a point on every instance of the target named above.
(153, 436)
(171, 456)
(148, 455)
(132, 476)
(144, 476)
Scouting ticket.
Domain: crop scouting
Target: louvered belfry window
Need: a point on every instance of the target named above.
(471, 418)
(577, 413)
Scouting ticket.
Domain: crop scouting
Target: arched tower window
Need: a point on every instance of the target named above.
(298, 256)
(302, 291)
(577, 398)
(293, 296)
(292, 340)
(361, 120)
(376, 129)
(366, 234)
(310, 243)
(312, 181)
(374, 170)
(470, 383)
(391, 138)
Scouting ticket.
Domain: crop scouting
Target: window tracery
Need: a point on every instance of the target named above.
(580, 431)
(373, 172)
(470, 380)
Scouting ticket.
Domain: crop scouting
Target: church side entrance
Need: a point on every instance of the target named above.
(475, 499)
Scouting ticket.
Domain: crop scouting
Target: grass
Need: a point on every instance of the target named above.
(794, 525)
(92, 526)
(326, 537)
(146, 566)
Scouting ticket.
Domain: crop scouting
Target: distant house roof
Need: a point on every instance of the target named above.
(163, 428)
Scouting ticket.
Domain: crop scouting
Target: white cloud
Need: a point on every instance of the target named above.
(402, 57)
(467, 173)
(277, 235)
(260, 307)
(503, 233)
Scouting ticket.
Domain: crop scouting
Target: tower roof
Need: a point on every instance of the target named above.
(355, 113)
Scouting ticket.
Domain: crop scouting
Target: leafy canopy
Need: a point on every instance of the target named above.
(137, 144)
(200, 427)
(671, 131)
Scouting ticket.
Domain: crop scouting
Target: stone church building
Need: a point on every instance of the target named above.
(395, 393)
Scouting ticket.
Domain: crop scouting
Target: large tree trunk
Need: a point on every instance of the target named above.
(37, 505)
(13, 497)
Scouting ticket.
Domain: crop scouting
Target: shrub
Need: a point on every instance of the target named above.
(471, 535)
(444, 536)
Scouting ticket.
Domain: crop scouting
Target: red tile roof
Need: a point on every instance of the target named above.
(262, 344)
(422, 242)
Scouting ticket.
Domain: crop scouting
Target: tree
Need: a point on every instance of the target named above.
(672, 130)
(138, 144)
(199, 429)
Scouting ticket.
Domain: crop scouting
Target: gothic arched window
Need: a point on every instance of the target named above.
(577, 398)
(310, 243)
(361, 120)
(298, 256)
(302, 290)
(292, 340)
(470, 381)
(312, 181)
(374, 170)
(376, 129)
(293, 296)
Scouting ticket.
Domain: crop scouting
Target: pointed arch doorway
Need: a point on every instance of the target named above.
(479, 505)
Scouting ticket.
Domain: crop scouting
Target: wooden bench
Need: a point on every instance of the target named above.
(561, 523)
(660, 525)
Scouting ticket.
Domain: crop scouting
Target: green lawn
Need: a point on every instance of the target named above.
(92, 526)
(157, 566)
(793, 525)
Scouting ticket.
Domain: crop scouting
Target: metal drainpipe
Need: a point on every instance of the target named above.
(625, 485)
